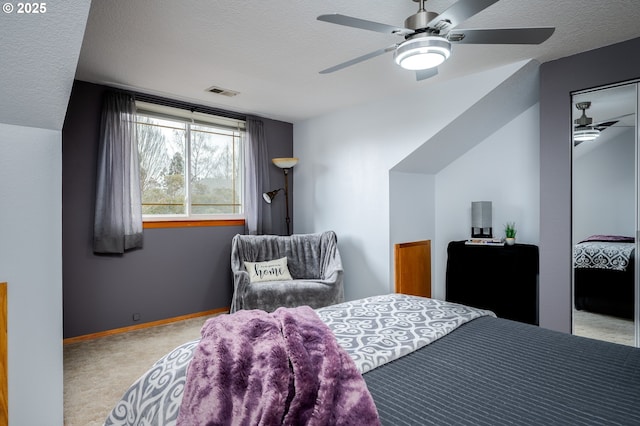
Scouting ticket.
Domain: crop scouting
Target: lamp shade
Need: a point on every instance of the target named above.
(269, 196)
(285, 162)
(481, 214)
(422, 53)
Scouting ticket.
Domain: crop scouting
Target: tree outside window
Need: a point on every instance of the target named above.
(212, 156)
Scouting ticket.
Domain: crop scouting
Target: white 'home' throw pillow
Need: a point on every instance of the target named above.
(271, 270)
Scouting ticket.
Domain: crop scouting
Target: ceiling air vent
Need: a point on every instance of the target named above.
(224, 92)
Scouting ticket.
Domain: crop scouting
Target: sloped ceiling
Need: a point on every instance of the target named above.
(477, 123)
(271, 51)
(38, 58)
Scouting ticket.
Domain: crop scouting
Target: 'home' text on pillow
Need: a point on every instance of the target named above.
(272, 270)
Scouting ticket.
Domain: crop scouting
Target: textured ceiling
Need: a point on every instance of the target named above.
(38, 58)
(271, 51)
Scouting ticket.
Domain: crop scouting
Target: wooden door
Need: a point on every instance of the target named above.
(413, 268)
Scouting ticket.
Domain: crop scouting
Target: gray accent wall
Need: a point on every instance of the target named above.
(179, 271)
(558, 79)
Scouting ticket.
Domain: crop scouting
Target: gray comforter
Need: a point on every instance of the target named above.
(493, 372)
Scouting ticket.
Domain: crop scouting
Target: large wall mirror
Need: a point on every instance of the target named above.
(605, 214)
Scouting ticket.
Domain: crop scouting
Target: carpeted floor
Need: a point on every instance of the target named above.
(603, 327)
(97, 372)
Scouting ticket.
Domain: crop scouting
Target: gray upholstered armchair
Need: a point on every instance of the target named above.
(313, 262)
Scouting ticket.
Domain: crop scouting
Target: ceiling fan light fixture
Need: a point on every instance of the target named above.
(585, 135)
(422, 53)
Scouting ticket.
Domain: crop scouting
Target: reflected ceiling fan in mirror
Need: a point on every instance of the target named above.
(585, 130)
(428, 36)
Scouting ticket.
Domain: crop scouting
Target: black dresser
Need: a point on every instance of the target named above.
(503, 279)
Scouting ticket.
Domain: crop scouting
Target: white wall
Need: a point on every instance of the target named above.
(504, 169)
(345, 183)
(31, 264)
(414, 220)
(604, 188)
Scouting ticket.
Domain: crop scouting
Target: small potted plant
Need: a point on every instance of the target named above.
(510, 233)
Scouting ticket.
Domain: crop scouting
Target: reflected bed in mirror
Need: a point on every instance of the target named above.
(604, 276)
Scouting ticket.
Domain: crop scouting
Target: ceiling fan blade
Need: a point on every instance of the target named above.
(358, 60)
(501, 36)
(424, 74)
(461, 11)
(603, 125)
(614, 119)
(363, 24)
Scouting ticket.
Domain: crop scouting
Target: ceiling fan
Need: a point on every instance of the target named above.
(428, 36)
(586, 130)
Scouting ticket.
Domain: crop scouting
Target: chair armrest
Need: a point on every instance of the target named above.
(240, 284)
(332, 266)
(334, 277)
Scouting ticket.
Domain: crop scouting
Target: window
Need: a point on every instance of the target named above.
(190, 164)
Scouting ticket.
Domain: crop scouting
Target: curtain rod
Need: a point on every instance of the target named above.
(154, 99)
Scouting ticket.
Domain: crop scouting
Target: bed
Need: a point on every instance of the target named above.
(604, 275)
(430, 362)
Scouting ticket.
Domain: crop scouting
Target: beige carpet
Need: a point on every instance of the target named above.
(603, 327)
(98, 372)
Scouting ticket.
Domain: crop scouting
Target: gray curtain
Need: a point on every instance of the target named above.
(118, 213)
(256, 178)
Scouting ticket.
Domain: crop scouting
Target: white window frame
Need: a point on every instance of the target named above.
(197, 118)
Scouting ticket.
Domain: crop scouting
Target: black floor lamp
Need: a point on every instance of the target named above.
(285, 164)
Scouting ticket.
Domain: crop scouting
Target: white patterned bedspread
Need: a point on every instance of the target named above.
(379, 329)
(154, 399)
(373, 331)
(602, 255)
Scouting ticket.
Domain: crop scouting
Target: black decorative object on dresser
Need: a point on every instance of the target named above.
(503, 279)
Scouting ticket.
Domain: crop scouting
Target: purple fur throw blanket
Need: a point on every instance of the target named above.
(280, 368)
